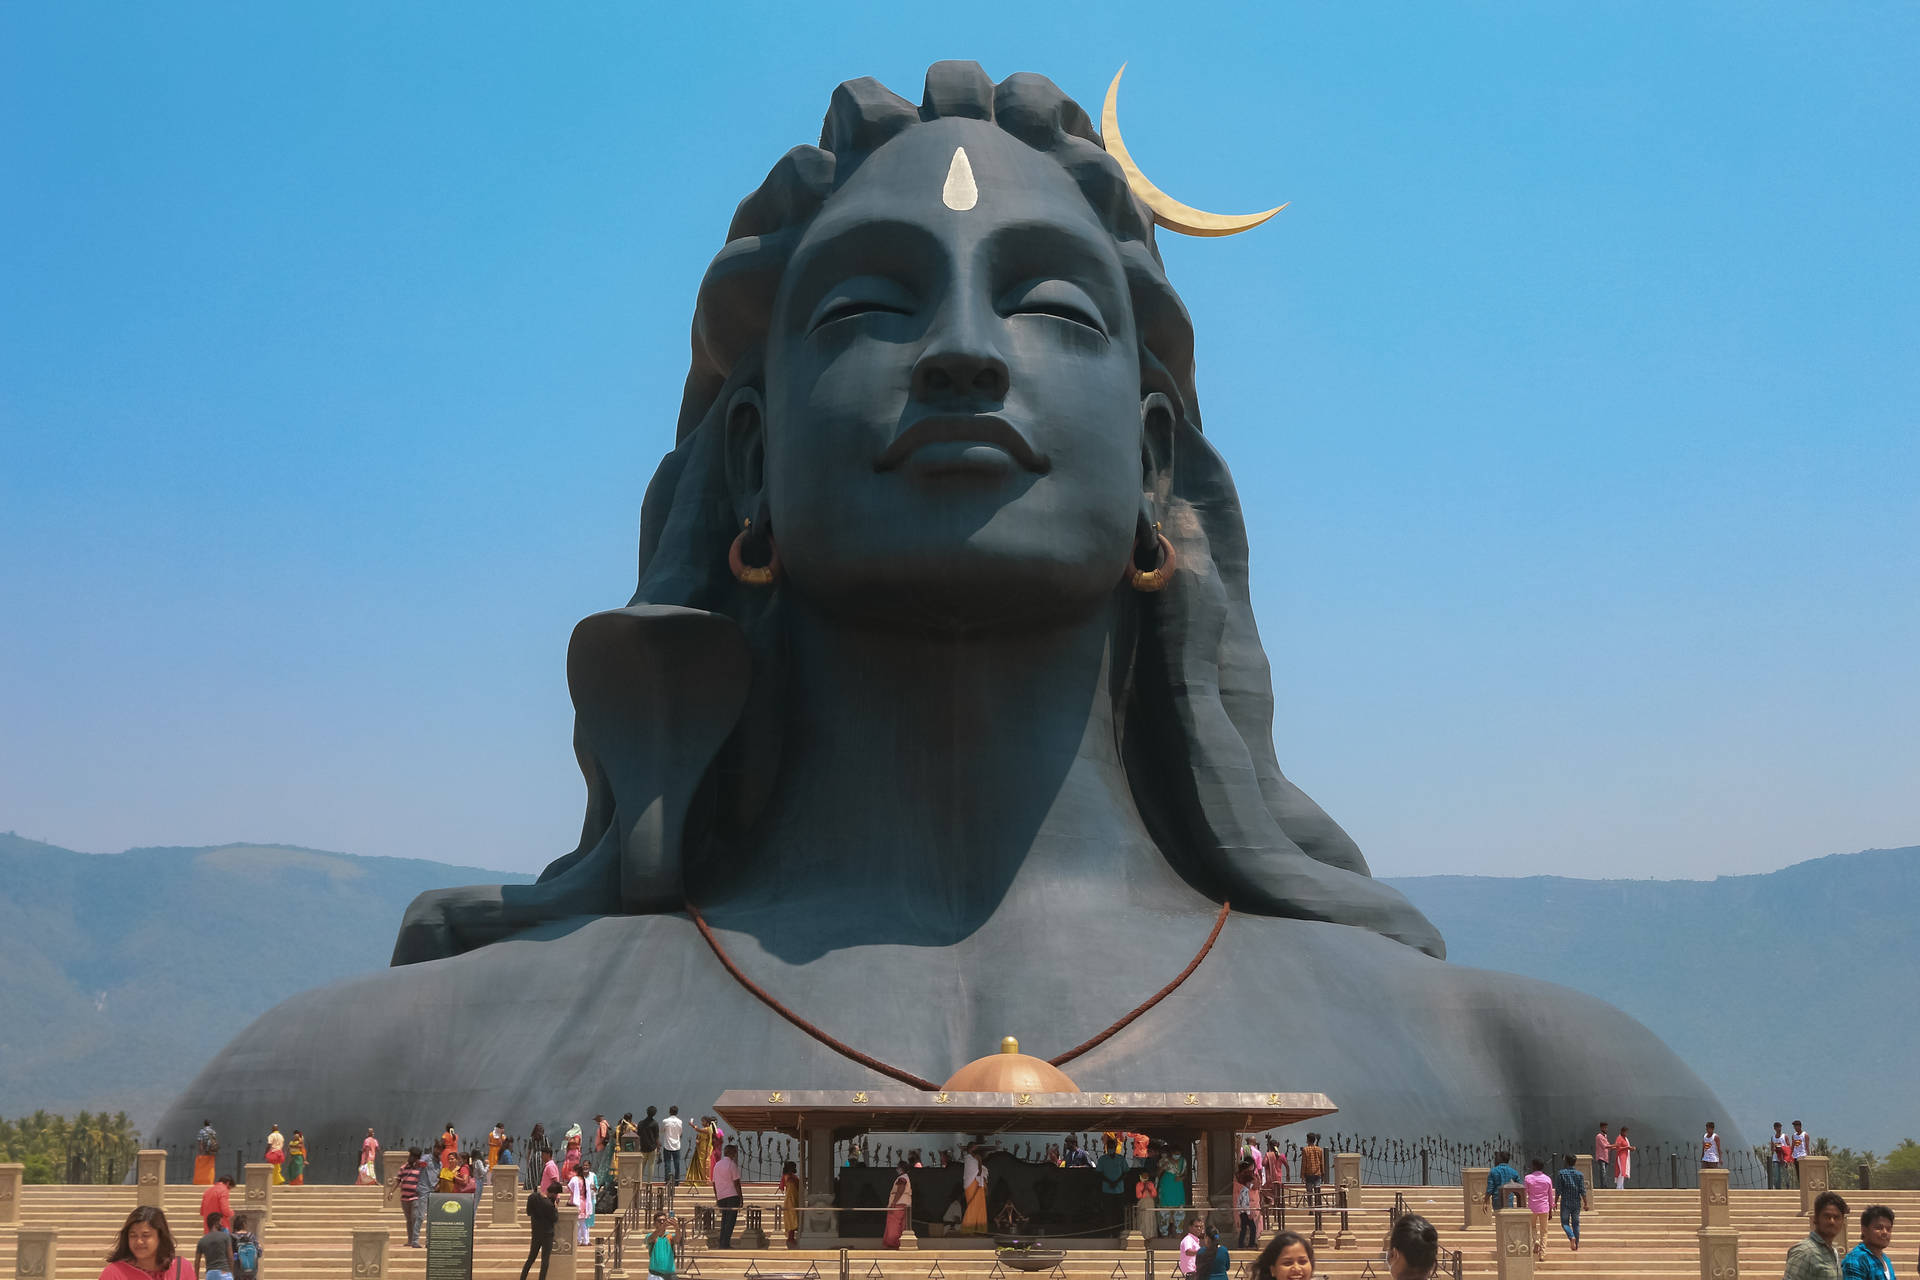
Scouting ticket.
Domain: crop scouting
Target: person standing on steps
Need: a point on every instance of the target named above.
(1602, 1156)
(407, 1183)
(1113, 1185)
(1539, 1192)
(1710, 1148)
(1313, 1167)
(1571, 1190)
(1622, 1160)
(661, 1250)
(1801, 1141)
(1818, 1256)
(542, 1218)
(647, 1142)
(1779, 1156)
(206, 1151)
(899, 1203)
(726, 1191)
(1868, 1260)
(671, 1132)
(213, 1256)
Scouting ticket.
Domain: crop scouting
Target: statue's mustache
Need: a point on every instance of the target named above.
(942, 428)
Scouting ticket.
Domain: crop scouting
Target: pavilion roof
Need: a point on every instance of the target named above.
(904, 1110)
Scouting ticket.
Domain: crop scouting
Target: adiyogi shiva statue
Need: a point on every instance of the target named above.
(939, 714)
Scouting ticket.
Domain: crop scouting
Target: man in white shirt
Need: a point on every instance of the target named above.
(726, 1192)
(670, 1146)
(1800, 1140)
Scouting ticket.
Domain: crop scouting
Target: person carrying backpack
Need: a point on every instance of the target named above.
(246, 1250)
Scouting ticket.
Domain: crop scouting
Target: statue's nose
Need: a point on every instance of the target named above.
(961, 360)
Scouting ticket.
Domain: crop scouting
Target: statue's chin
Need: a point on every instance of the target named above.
(965, 589)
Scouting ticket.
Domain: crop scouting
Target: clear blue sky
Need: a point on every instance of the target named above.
(1573, 401)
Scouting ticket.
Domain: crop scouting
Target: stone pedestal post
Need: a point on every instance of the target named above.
(11, 1176)
(1714, 1211)
(1815, 1177)
(36, 1253)
(369, 1254)
(1473, 1196)
(503, 1195)
(391, 1163)
(566, 1258)
(1513, 1243)
(1585, 1165)
(1346, 1179)
(256, 1195)
(1719, 1253)
(151, 1180)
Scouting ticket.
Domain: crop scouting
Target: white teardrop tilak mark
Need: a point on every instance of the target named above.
(960, 193)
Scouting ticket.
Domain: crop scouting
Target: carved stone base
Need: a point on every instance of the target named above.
(1513, 1243)
(36, 1253)
(1719, 1253)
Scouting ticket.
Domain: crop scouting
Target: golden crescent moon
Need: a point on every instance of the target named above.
(1167, 211)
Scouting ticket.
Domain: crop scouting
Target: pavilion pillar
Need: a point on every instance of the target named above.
(818, 1230)
(1585, 1165)
(1216, 1153)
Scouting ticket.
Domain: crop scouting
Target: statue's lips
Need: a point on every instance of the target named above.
(962, 442)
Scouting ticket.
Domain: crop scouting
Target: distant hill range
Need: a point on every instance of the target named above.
(1792, 993)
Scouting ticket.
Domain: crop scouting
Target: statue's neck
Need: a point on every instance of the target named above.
(927, 775)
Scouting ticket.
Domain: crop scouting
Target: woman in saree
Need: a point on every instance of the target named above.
(700, 1168)
(1172, 1189)
(973, 1184)
(144, 1250)
(277, 1155)
(899, 1206)
(296, 1165)
(790, 1201)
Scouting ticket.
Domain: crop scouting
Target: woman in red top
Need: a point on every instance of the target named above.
(144, 1250)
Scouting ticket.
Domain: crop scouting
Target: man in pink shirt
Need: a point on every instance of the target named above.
(726, 1192)
(1602, 1153)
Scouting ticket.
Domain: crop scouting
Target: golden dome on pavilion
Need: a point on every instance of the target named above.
(1009, 1071)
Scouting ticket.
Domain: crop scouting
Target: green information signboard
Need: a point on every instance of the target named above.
(450, 1236)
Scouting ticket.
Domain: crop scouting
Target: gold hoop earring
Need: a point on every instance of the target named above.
(753, 575)
(1154, 579)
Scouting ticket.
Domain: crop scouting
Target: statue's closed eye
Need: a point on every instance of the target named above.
(859, 296)
(1054, 297)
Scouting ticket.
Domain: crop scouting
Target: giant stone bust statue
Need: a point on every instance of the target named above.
(940, 702)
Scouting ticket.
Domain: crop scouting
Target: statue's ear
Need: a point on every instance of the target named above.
(1157, 423)
(746, 452)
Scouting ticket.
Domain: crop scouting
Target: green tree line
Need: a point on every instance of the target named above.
(1898, 1170)
(92, 1147)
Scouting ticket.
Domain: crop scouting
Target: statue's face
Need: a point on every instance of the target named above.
(953, 427)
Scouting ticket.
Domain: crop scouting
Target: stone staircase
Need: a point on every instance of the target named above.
(1629, 1235)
